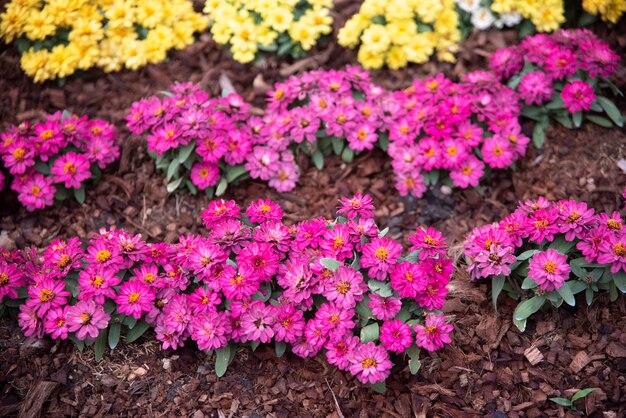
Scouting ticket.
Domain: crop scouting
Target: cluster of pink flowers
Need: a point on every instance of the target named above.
(61, 152)
(456, 127)
(333, 104)
(543, 65)
(311, 285)
(221, 134)
(562, 237)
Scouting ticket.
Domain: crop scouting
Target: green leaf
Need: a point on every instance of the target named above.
(611, 110)
(79, 195)
(529, 283)
(221, 187)
(589, 296)
(577, 286)
(331, 264)
(172, 169)
(363, 310)
(582, 393)
(383, 232)
(520, 324)
(528, 307)
(380, 288)
(527, 254)
(62, 193)
(234, 172)
(379, 387)
(383, 141)
(185, 152)
(577, 270)
(564, 120)
(191, 187)
(556, 103)
(318, 159)
(539, 135)
(100, 344)
(619, 279)
(599, 120)
(414, 358)
(561, 244)
(280, 348)
(370, 332)
(496, 288)
(566, 293)
(137, 331)
(562, 401)
(222, 360)
(347, 155)
(337, 144)
(174, 185)
(42, 167)
(577, 117)
(114, 334)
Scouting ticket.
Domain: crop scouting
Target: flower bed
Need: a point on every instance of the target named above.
(55, 159)
(339, 287)
(545, 253)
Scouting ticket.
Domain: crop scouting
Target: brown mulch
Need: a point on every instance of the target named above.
(491, 369)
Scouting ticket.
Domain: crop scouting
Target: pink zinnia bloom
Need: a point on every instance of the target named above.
(10, 280)
(258, 260)
(36, 192)
(362, 138)
(543, 225)
(285, 178)
(358, 205)
(410, 184)
(71, 169)
(211, 330)
(238, 286)
(169, 339)
(55, 323)
(370, 363)
(535, 88)
(578, 95)
(574, 218)
(434, 333)
(384, 308)
(218, 211)
(204, 175)
(396, 336)
(17, 158)
(429, 242)
(264, 210)
(30, 322)
(97, 284)
(338, 351)
(497, 152)
(407, 279)
(289, 324)
(380, 255)
(335, 319)
(257, 323)
(134, 298)
(346, 287)
(203, 301)
(549, 269)
(47, 294)
(86, 319)
(613, 251)
(505, 62)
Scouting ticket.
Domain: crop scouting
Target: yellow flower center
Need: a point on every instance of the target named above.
(614, 224)
(452, 151)
(619, 249)
(279, 94)
(35, 190)
(338, 243)
(381, 254)
(265, 208)
(96, 281)
(409, 277)
(550, 267)
(85, 318)
(64, 261)
(103, 256)
(467, 170)
(149, 278)
(96, 130)
(4, 279)
(432, 85)
(46, 295)
(47, 134)
(69, 168)
(204, 173)
(19, 153)
(362, 135)
(342, 118)
(342, 287)
(133, 297)
(334, 86)
(369, 362)
(498, 151)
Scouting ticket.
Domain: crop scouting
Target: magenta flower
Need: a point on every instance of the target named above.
(257, 324)
(362, 138)
(86, 319)
(55, 323)
(346, 287)
(396, 336)
(218, 211)
(238, 286)
(574, 218)
(203, 301)
(289, 324)
(71, 169)
(549, 269)
(97, 284)
(358, 205)
(384, 308)
(497, 152)
(134, 298)
(370, 363)
(47, 294)
(407, 279)
(434, 333)
(30, 322)
(36, 192)
(535, 87)
(211, 330)
(264, 210)
(338, 351)
(18, 158)
(259, 261)
(429, 242)
(204, 175)
(578, 95)
(613, 251)
(380, 255)
(10, 280)
(505, 62)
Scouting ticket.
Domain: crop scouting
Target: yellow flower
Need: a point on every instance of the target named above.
(86, 31)
(396, 58)
(134, 54)
(302, 33)
(376, 38)
(39, 25)
(12, 22)
(62, 60)
(350, 34)
(370, 59)
(88, 54)
(149, 14)
(402, 31)
(319, 19)
(120, 14)
(279, 19)
(35, 64)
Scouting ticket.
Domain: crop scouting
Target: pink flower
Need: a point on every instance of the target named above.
(203, 301)
(535, 88)
(384, 308)
(407, 279)
(71, 169)
(578, 95)
(505, 62)
(47, 294)
(204, 175)
(357, 205)
(362, 138)
(211, 330)
(264, 210)
(370, 363)
(468, 174)
(259, 261)
(396, 336)
(429, 242)
(257, 323)
(338, 351)
(434, 333)
(97, 284)
(497, 152)
(86, 319)
(30, 322)
(285, 178)
(10, 280)
(55, 323)
(218, 211)
(134, 299)
(549, 269)
(574, 218)
(36, 192)
(410, 184)
(380, 255)
(346, 287)
(289, 324)
(613, 251)
(18, 157)
(238, 286)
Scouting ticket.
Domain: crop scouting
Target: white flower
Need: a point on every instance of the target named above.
(470, 6)
(482, 18)
(511, 19)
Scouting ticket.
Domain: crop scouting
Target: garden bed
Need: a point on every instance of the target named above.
(490, 369)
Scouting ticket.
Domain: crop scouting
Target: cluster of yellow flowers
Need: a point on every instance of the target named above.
(59, 37)
(548, 15)
(285, 26)
(398, 32)
(609, 10)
